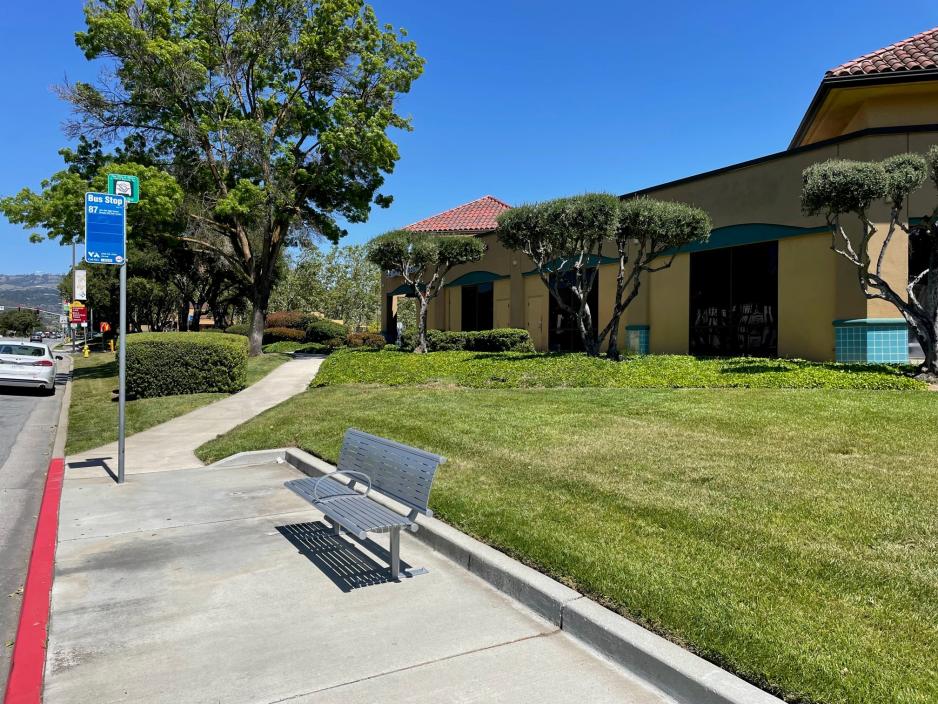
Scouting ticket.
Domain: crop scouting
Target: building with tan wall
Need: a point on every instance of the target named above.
(766, 283)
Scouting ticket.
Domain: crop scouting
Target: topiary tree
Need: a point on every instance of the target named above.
(649, 231)
(569, 234)
(565, 235)
(841, 187)
(423, 261)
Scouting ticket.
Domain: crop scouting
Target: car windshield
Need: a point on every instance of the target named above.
(23, 350)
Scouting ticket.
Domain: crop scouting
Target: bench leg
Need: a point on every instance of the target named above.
(395, 552)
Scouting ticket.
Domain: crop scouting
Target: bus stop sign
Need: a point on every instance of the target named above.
(105, 229)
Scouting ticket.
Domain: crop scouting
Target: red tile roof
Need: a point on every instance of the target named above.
(476, 216)
(916, 53)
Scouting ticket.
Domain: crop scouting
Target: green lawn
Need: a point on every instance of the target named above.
(791, 536)
(525, 370)
(92, 417)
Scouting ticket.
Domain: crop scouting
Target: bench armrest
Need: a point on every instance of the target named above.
(345, 472)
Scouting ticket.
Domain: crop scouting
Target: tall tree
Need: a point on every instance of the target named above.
(279, 109)
(840, 187)
(423, 261)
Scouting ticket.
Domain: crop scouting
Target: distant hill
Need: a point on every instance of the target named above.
(30, 290)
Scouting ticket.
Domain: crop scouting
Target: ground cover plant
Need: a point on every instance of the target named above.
(93, 416)
(787, 535)
(520, 370)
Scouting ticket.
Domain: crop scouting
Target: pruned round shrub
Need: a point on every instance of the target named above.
(283, 335)
(325, 330)
(500, 340)
(446, 340)
(295, 319)
(374, 340)
(170, 363)
(239, 329)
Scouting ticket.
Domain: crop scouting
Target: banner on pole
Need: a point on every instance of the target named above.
(81, 285)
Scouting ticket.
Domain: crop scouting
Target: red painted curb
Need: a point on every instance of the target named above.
(29, 649)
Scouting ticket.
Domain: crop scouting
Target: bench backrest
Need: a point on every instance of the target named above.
(398, 471)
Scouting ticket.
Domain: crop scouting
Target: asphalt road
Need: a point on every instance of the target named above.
(27, 430)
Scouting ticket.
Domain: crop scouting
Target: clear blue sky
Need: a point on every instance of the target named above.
(521, 99)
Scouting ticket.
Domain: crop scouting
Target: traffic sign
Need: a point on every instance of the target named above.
(127, 186)
(105, 229)
(78, 313)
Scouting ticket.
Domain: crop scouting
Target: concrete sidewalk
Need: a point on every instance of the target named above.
(172, 445)
(220, 585)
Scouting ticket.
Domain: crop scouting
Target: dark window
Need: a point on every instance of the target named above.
(478, 305)
(563, 331)
(734, 301)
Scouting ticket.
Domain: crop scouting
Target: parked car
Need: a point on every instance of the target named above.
(35, 337)
(28, 364)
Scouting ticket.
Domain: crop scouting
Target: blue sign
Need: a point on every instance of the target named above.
(105, 229)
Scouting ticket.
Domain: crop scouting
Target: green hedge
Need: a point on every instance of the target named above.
(323, 331)
(272, 335)
(170, 363)
(239, 329)
(498, 340)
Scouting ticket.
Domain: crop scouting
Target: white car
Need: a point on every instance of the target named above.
(27, 364)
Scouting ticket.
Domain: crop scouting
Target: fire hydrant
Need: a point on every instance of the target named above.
(85, 351)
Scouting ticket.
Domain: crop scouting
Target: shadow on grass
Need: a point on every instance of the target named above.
(767, 366)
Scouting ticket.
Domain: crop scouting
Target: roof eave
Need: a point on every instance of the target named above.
(854, 81)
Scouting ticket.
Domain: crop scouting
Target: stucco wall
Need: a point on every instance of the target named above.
(806, 297)
(815, 285)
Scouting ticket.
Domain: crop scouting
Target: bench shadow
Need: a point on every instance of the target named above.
(341, 561)
(94, 462)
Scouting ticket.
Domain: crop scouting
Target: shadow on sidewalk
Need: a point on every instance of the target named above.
(93, 462)
(340, 560)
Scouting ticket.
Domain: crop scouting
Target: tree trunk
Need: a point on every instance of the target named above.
(421, 347)
(183, 316)
(612, 352)
(196, 316)
(259, 302)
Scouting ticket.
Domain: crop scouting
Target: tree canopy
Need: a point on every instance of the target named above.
(276, 111)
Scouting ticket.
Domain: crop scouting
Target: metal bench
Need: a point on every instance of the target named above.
(397, 471)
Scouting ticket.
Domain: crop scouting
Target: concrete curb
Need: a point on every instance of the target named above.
(664, 665)
(61, 430)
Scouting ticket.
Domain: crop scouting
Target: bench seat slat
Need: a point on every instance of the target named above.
(347, 507)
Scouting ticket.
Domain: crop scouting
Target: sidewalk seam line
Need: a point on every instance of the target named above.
(417, 665)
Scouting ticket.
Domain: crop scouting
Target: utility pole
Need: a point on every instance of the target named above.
(75, 332)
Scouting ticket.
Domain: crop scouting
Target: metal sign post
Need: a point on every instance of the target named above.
(106, 243)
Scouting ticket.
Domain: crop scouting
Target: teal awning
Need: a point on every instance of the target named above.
(403, 290)
(476, 277)
(749, 233)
